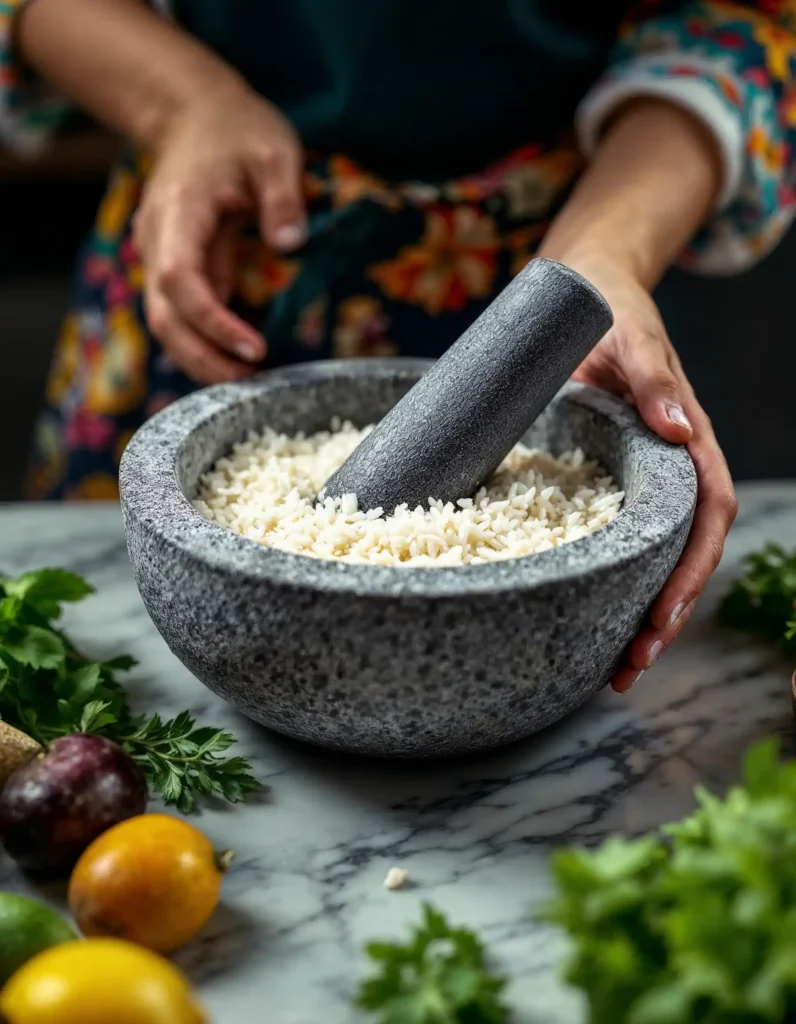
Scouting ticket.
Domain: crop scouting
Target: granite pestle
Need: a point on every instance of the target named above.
(456, 425)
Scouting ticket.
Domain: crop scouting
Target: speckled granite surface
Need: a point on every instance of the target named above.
(306, 890)
(406, 662)
(455, 427)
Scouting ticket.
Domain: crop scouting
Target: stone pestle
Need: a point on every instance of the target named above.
(450, 432)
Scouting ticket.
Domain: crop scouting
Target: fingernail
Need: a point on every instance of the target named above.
(290, 236)
(654, 653)
(632, 682)
(677, 416)
(248, 352)
(678, 611)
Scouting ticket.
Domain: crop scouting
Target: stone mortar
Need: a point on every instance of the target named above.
(395, 662)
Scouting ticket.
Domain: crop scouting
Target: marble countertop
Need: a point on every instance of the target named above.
(307, 890)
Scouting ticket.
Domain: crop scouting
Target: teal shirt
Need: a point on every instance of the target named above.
(425, 89)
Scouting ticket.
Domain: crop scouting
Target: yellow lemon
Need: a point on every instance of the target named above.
(99, 981)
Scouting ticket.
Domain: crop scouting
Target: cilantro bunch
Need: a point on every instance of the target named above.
(49, 689)
(438, 977)
(762, 601)
(696, 925)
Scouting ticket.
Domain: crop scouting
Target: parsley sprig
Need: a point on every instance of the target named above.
(49, 689)
(762, 601)
(696, 925)
(437, 977)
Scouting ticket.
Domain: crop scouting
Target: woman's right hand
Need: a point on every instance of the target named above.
(228, 153)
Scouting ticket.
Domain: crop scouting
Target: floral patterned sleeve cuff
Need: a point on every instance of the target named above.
(732, 67)
(29, 111)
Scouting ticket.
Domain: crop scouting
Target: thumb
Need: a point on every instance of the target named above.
(657, 390)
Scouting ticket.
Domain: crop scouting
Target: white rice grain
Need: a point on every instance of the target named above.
(266, 489)
(396, 879)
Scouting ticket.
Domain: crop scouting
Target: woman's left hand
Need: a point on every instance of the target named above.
(637, 361)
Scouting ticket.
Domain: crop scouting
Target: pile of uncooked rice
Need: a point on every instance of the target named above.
(267, 489)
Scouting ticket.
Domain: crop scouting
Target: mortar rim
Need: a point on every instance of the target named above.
(152, 497)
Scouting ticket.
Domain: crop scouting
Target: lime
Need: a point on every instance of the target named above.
(26, 928)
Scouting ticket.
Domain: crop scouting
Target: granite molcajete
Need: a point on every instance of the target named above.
(400, 662)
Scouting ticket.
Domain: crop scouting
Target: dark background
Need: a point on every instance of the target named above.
(736, 336)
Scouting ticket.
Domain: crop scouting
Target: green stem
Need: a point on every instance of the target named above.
(154, 748)
(223, 860)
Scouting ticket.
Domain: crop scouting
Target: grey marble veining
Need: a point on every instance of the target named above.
(306, 888)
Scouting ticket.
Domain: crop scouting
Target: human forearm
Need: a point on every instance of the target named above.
(648, 188)
(127, 66)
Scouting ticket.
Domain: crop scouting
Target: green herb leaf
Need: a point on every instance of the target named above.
(438, 977)
(46, 589)
(695, 925)
(49, 689)
(123, 663)
(187, 761)
(96, 716)
(10, 608)
(34, 646)
(83, 683)
(762, 600)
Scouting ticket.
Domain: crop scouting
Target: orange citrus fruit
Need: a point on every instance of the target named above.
(153, 880)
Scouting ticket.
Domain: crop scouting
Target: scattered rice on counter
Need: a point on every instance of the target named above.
(396, 878)
(266, 490)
